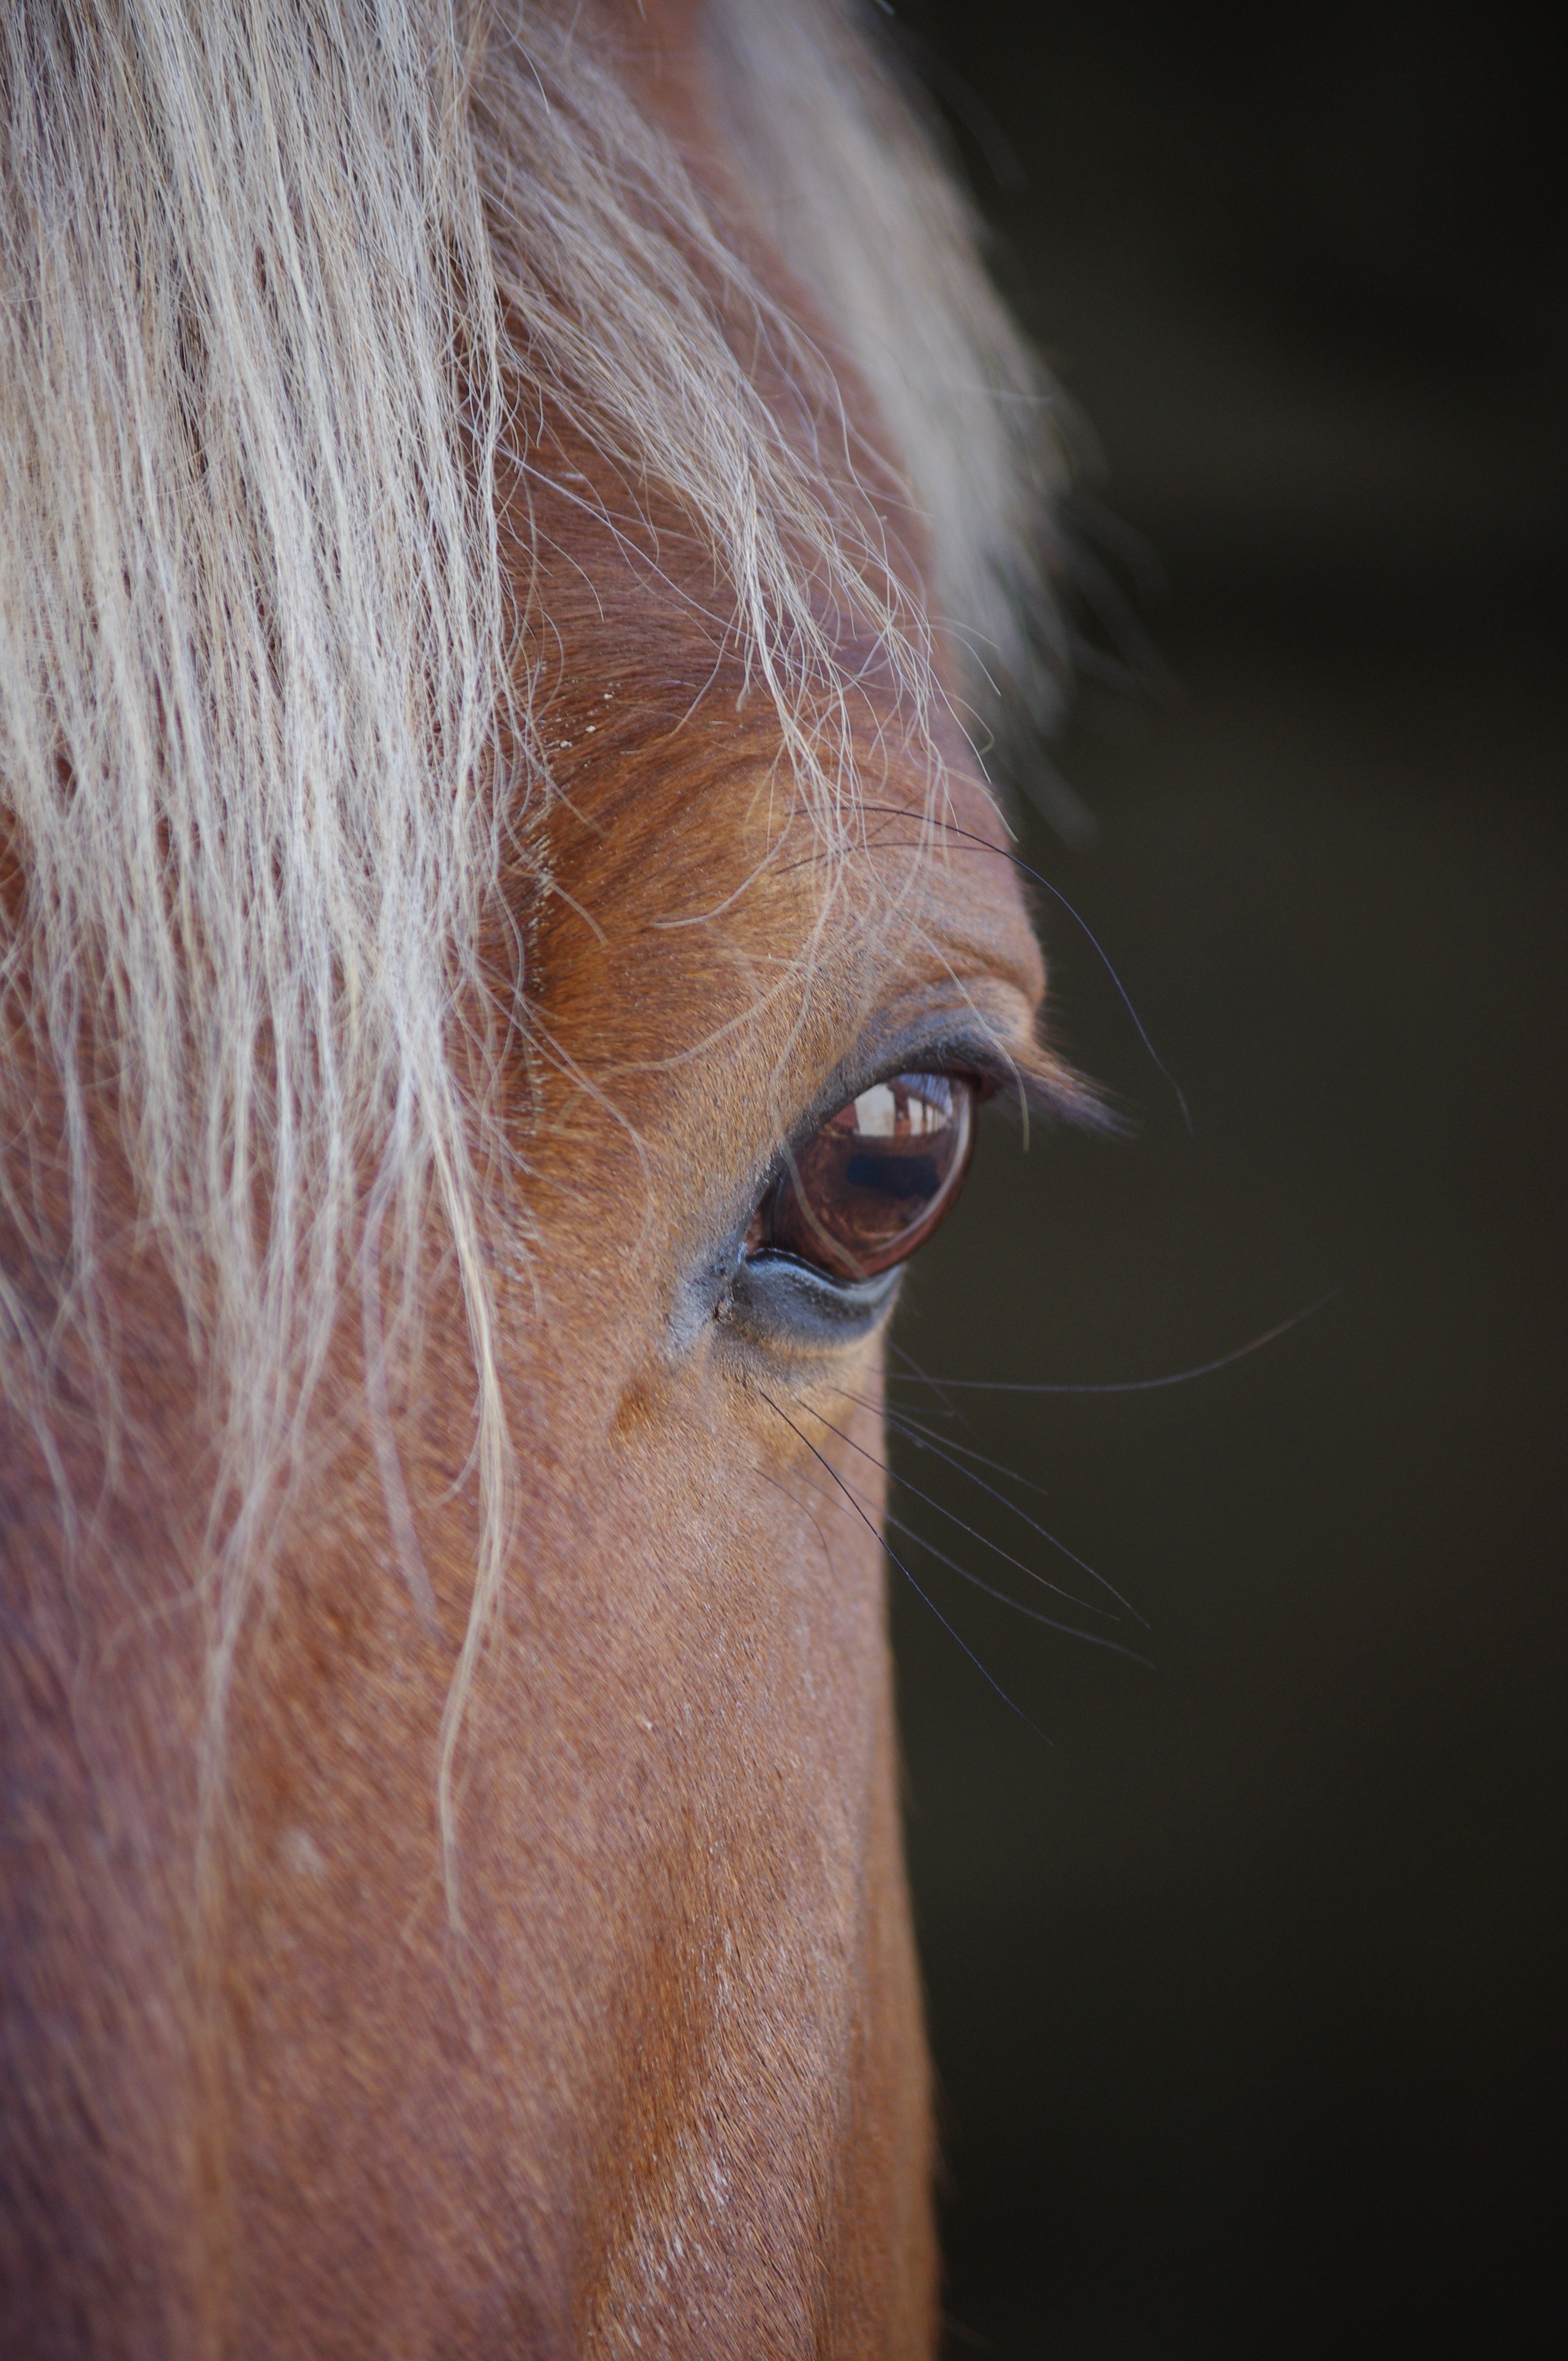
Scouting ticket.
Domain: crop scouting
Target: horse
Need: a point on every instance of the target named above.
(520, 523)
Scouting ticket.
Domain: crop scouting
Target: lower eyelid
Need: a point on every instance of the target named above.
(777, 1300)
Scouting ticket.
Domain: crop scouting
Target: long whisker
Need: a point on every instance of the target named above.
(914, 1431)
(870, 1523)
(924, 1440)
(821, 1493)
(1125, 1385)
(921, 1435)
(1035, 1614)
(972, 1531)
(915, 1370)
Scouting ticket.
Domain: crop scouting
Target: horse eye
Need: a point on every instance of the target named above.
(875, 1180)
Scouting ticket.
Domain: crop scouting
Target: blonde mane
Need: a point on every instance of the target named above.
(286, 283)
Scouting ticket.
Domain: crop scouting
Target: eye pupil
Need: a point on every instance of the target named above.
(901, 1177)
(876, 1179)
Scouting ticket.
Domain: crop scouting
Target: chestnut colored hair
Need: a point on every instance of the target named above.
(288, 285)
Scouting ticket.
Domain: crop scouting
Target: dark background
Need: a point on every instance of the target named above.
(1246, 1979)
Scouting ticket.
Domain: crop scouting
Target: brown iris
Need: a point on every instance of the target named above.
(873, 1184)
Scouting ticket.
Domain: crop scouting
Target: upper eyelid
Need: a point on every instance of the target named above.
(950, 1051)
(1033, 1075)
(1040, 1082)
(939, 1053)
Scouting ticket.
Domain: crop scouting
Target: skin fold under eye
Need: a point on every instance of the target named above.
(875, 1180)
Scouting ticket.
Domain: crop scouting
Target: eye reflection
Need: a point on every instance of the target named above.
(875, 1180)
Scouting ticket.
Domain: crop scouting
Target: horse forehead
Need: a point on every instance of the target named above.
(674, 847)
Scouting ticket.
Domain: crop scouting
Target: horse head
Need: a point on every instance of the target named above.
(508, 936)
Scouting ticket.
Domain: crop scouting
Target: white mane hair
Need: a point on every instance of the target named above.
(279, 279)
(852, 185)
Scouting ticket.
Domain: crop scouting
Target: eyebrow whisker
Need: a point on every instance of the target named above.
(969, 836)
